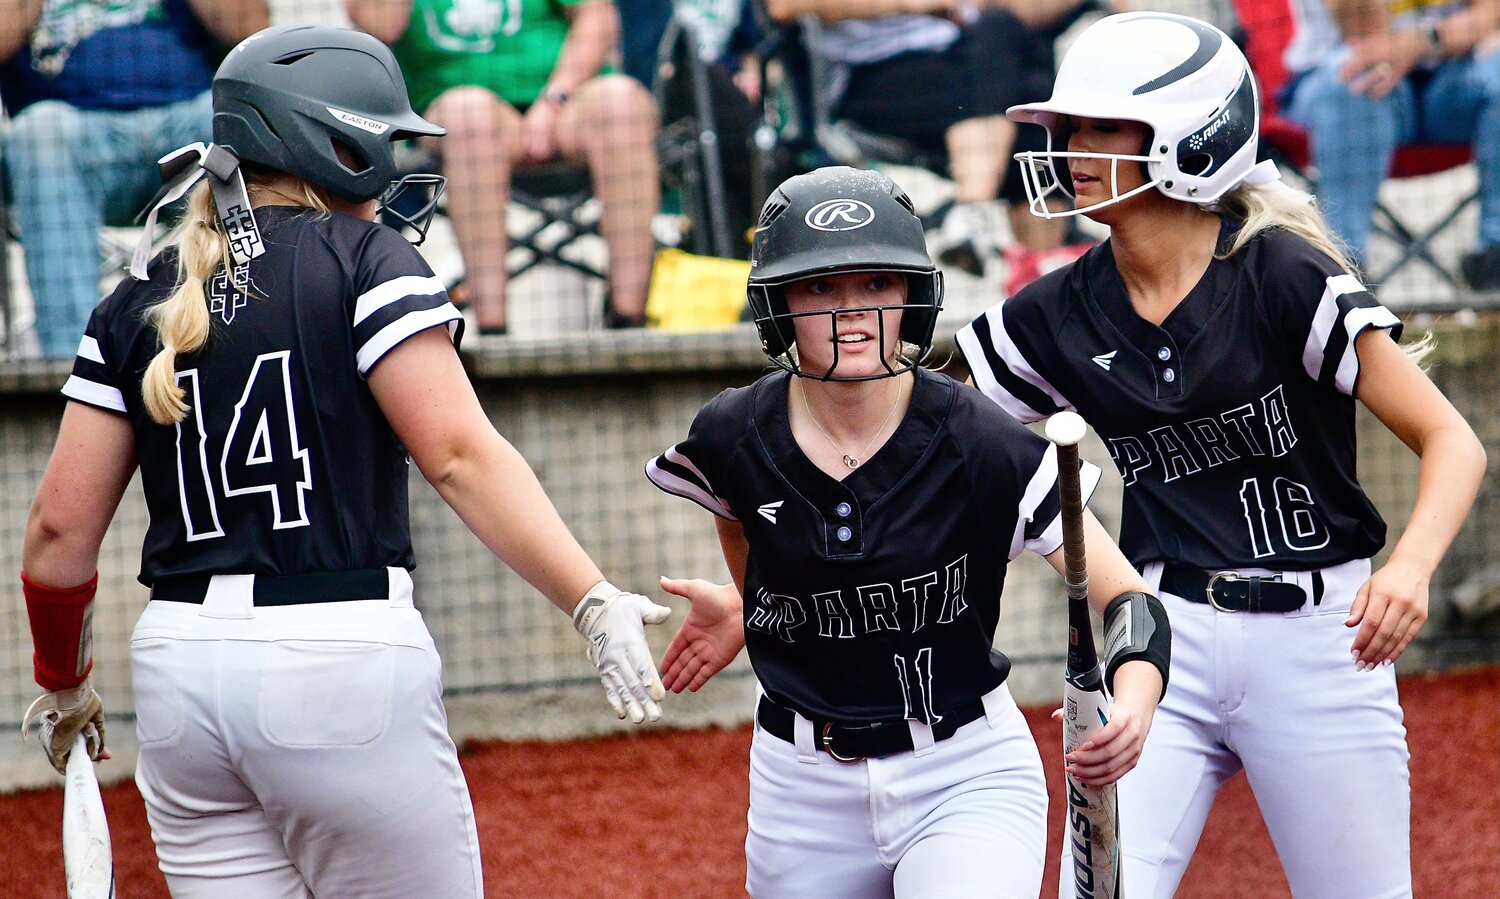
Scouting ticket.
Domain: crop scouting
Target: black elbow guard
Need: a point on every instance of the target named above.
(1136, 627)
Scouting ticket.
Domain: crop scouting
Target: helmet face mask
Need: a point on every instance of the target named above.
(1039, 175)
(835, 221)
(400, 202)
(1181, 78)
(897, 355)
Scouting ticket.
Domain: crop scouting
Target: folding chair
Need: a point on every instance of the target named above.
(1268, 26)
(690, 147)
(558, 192)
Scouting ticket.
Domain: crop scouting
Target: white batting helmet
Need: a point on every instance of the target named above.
(1181, 77)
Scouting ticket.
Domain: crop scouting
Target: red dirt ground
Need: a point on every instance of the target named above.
(662, 814)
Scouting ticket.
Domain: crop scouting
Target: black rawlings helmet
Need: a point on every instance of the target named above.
(834, 220)
(285, 96)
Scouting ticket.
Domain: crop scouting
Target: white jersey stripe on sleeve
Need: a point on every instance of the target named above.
(674, 455)
(1052, 537)
(1010, 355)
(1356, 321)
(88, 348)
(979, 370)
(382, 295)
(94, 393)
(1036, 491)
(1325, 319)
(400, 329)
(679, 486)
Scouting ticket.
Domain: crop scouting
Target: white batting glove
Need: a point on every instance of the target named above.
(65, 714)
(611, 620)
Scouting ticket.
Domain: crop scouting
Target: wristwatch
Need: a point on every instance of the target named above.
(553, 94)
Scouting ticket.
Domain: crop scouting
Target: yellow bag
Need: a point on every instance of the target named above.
(695, 293)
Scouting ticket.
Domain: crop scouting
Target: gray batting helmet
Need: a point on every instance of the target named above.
(286, 96)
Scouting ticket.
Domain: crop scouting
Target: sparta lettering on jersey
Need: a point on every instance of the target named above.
(875, 597)
(1209, 413)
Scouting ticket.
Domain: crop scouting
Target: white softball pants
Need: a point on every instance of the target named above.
(965, 817)
(1321, 742)
(303, 750)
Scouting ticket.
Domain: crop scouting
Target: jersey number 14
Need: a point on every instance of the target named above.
(261, 452)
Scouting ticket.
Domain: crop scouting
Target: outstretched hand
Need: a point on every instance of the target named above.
(612, 623)
(709, 639)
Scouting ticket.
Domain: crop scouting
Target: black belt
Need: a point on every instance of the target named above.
(852, 742)
(286, 590)
(1229, 591)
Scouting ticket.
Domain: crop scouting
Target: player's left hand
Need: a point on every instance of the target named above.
(611, 622)
(63, 715)
(1389, 610)
(1114, 749)
(710, 638)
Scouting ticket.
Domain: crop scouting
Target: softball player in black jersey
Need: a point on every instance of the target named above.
(867, 509)
(269, 375)
(1217, 343)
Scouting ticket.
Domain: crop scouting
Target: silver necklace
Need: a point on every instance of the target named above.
(851, 461)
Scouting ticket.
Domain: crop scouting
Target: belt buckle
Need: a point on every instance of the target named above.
(828, 746)
(1227, 576)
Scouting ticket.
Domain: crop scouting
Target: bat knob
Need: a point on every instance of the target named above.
(1066, 428)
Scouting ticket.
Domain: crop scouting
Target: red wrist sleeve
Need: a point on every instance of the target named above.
(61, 631)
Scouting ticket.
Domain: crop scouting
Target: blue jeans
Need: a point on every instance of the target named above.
(72, 171)
(1354, 137)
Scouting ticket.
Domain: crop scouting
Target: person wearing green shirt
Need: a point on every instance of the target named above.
(516, 83)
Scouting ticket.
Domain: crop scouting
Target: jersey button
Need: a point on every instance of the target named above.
(844, 534)
(1164, 353)
(842, 510)
(1168, 375)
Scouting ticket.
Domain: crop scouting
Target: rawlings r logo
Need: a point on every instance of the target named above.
(1208, 45)
(839, 215)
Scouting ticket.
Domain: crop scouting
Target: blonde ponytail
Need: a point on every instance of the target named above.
(1267, 206)
(1263, 207)
(182, 319)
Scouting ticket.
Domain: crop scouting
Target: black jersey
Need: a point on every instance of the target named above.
(875, 597)
(1232, 424)
(285, 463)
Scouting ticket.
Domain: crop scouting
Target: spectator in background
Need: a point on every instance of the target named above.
(1369, 76)
(96, 94)
(516, 84)
(941, 73)
(643, 22)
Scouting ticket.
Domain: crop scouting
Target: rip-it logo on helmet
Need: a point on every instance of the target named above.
(839, 215)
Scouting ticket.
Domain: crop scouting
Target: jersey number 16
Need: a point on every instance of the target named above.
(1302, 528)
